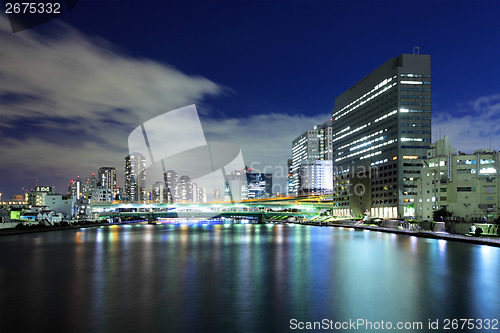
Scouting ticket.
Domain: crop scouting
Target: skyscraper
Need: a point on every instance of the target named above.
(107, 179)
(135, 177)
(313, 144)
(382, 130)
(171, 180)
(185, 189)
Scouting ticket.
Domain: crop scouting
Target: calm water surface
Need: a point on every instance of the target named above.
(238, 278)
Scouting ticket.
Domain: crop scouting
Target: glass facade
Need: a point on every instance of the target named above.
(374, 135)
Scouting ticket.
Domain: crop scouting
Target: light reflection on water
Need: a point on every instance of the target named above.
(237, 278)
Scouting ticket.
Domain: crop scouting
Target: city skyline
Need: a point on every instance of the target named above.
(274, 79)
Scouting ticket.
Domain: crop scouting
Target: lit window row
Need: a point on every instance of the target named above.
(362, 139)
(371, 155)
(342, 130)
(414, 82)
(386, 115)
(379, 162)
(414, 89)
(385, 83)
(367, 143)
(415, 125)
(415, 75)
(380, 85)
(351, 132)
(412, 139)
(416, 118)
(409, 110)
(366, 150)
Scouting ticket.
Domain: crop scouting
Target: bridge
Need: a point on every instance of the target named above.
(258, 209)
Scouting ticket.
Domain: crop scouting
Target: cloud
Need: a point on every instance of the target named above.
(265, 139)
(474, 127)
(68, 102)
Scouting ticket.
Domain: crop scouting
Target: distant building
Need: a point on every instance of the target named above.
(101, 195)
(45, 196)
(236, 187)
(313, 144)
(171, 180)
(316, 177)
(217, 194)
(89, 186)
(135, 177)
(76, 188)
(185, 189)
(158, 192)
(466, 185)
(107, 179)
(260, 185)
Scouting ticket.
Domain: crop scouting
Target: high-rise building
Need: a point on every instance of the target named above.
(75, 188)
(185, 189)
(107, 179)
(90, 186)
(313, 144)
(315, 177)
(135, 177)
(158, 192)
(171, 186)
(381, 133)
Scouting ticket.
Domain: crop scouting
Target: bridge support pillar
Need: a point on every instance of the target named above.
(150, 219)
(262, 219)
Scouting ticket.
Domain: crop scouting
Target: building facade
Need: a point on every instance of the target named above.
(466, 185)
(316, 177)
(313, 144)
(107, 179)
(381, 133)
(135, 177)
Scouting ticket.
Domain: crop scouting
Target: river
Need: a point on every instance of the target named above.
(243, 278)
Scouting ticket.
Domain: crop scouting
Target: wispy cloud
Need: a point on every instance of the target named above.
(265, 139)
(474, 127)
(69, 102)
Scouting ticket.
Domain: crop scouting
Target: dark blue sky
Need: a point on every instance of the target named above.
(297, 56)
(260, 73)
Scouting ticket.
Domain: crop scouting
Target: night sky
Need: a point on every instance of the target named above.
(259, 72)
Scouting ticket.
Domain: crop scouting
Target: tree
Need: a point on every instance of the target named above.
(440, 214)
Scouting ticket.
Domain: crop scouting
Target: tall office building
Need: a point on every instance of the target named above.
(107, 179)
(135, 177)
(382, 130)
(313, 144)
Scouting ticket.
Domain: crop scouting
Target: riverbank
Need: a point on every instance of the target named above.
(41, 228)
(340, 224)
(421, 233)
